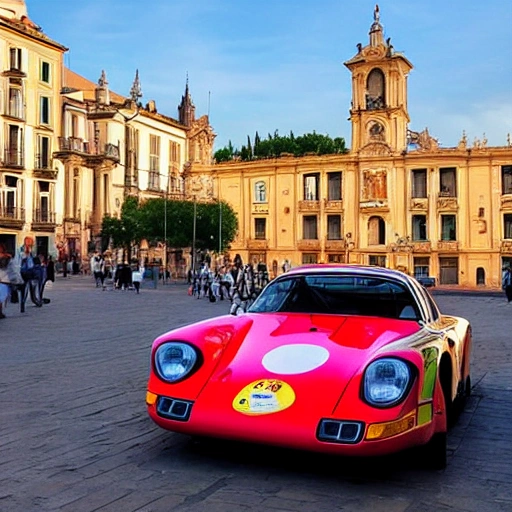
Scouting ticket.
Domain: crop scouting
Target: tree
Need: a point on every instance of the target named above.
(126, 230)
(275, 145)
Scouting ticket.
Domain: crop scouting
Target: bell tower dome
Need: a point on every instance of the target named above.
(379, 113)
(13, 9)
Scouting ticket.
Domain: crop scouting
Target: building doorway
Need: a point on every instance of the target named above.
(480, 276)
(449, 270)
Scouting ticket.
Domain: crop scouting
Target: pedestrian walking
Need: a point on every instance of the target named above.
(506, 283)
(98, 269)
(50, 270)
(9, 277)
(137, 278)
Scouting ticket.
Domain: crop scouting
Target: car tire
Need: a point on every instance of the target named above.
(434, 452)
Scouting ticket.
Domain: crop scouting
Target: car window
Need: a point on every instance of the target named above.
(338, 294)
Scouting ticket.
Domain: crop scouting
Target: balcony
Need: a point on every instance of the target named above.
(257, 244)
(335, 245)
(421, 246)
(73, 144)
(13, 159)
(446, 203)
(448, 246)
(506, 247)
(309, 206)
(95, 150)
(12, 217)
(44, 220)
(333, 206)
(308, 245)
(419, 203)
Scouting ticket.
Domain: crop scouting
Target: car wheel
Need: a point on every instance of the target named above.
(435, 451)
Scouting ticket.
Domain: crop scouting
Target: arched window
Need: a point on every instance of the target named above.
(260, 192)
(376, 231)
(375, 90)
(480, 276)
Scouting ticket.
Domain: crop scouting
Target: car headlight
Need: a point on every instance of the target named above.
(174, 360)
(386, 381)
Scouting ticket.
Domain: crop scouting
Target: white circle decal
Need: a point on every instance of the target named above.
(295, 358)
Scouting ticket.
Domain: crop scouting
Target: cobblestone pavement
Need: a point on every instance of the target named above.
(75, 436)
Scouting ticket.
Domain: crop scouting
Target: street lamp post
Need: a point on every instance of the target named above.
(194, 239)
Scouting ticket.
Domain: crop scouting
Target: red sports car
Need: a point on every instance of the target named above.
(344, 359)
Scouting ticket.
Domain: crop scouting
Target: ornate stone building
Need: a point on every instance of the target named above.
(397, 199)
(72, 150)
(31, 188)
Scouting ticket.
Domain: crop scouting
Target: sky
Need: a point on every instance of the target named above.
(278, 65)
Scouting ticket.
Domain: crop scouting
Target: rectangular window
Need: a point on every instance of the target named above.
(419, 183)
(333, 227)
(15, 103)
(377, 260)
(311, 192)
(43, 155)
(154, 153)
(335, 258)
(507, 226)
(506, 179)
(419, 227)
(76, 196)
(15, 59)
(448, 182)
(8, 197)
(45, 110)
(310, 227)
(14, 150)
(421, 267)
(45, 72)
(334, 186)
(448, 227)
(260, 229)
(309, 258)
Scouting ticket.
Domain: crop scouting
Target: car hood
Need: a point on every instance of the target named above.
(314, 356)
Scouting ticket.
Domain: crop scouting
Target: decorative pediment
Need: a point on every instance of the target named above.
(376, 149)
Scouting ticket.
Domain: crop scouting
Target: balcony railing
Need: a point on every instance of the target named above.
(335, 244)
(448, 245)
(307, 244)
(12, 212)
(73, 144)
(44, 217)
(13, 158)
(446, 202)
(78, 145)
(257, 244)
(506, 247)
(309, 206)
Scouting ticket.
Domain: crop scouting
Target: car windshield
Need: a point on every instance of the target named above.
(338, 295)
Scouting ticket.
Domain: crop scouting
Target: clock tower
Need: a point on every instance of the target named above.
(378, 111)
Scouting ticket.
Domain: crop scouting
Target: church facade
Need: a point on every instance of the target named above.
(397, 199)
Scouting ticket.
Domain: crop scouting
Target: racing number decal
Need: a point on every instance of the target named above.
(264, 396)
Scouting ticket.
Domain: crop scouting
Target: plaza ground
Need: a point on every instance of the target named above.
(75, 436)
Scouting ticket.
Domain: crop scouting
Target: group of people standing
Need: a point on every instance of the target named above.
(24, 273)
(123, 275)
(238, 283)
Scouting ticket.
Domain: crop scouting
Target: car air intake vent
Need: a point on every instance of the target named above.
(338, 431)
(174, 409)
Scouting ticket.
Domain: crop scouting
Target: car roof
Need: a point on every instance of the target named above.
(345, 269)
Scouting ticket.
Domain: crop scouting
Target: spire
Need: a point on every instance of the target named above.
(376, 31)
(136, 90)
(102, 92)
(186, 109)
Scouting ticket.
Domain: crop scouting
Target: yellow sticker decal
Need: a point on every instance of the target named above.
(264, 396)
